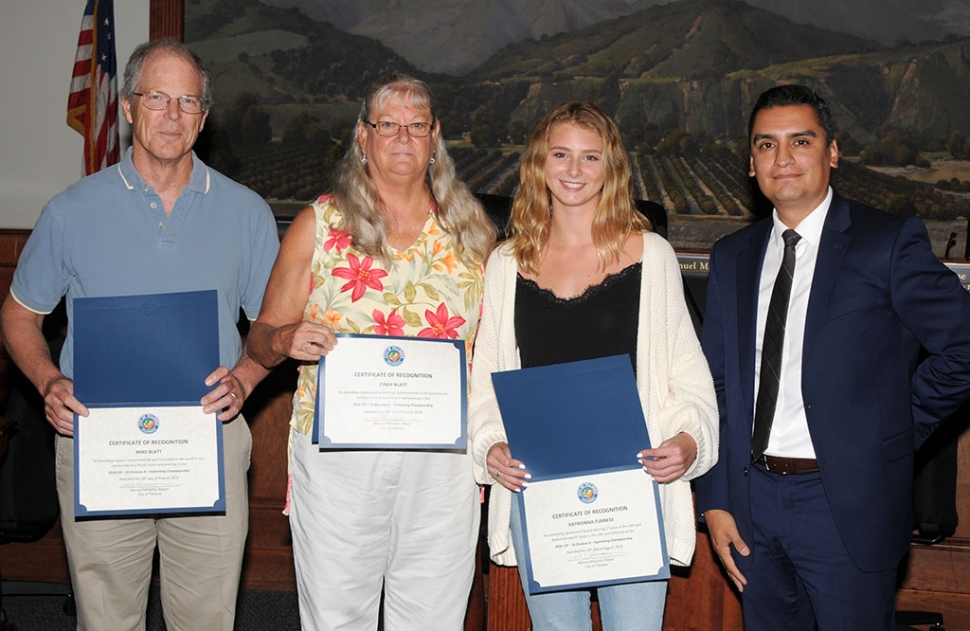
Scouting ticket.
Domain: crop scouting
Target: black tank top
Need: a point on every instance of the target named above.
(599, 323)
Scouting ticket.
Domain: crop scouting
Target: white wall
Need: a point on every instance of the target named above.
(39, 154)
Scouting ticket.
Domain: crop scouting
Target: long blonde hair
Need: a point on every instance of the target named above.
(616, 215)
(359, 201)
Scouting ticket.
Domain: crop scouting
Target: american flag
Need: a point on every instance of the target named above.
(92, 106)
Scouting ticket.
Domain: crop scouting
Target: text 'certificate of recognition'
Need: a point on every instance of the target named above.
(593, 529)
(378, 392)
(149, 458)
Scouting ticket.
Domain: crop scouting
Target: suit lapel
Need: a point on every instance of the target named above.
(831, 250)
(750, 260)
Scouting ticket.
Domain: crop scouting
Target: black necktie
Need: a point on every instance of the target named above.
(764, 409)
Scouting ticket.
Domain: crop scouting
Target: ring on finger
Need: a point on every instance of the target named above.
(234, 397)
(496, 475)
(304, 347)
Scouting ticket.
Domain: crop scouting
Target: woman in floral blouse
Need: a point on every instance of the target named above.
(396, 250)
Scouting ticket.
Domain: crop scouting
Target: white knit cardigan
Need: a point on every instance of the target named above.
(673, 380)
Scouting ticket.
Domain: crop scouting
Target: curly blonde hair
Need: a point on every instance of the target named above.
(460, 214)
(616, 215)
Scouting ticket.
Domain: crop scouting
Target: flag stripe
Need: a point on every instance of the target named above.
(92, 105)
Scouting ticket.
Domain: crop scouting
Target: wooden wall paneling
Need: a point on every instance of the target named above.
(700, 598)
(165, 19)
(11, 245)
(269, 555)
(507, 610)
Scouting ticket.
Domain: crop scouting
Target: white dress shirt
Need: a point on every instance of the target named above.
(789, 436)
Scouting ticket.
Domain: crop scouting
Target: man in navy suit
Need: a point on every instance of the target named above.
(809, 509)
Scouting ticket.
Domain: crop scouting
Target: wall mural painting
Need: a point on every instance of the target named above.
(679, 78)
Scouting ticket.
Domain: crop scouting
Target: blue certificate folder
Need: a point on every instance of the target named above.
(146, 351)
(575, 419)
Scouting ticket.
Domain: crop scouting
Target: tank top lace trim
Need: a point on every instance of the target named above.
(599, 323)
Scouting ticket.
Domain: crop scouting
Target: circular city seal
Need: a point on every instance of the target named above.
(587, 493)
(394, 356)
(148, 423)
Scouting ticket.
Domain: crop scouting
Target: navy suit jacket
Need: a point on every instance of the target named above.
(878, 296)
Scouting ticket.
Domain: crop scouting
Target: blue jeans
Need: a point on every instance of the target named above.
(627, 607)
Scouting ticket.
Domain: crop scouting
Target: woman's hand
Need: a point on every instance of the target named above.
(507, 471)
(307, 341)
(671, 459)
(279, 331)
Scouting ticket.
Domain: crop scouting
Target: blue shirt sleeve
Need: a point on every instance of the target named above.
(265, 246)
(42, 277)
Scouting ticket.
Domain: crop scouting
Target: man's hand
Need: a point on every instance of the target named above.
(60, 405)
(724, 533)
(228, 396)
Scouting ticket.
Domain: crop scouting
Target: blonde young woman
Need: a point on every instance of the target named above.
(582, 276)
(364, 522)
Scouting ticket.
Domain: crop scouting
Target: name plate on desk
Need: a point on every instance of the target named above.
(963, 271)
(697, 265)
(376, 392)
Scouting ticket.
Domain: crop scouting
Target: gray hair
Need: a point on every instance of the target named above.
(359, 202)
(171, 46)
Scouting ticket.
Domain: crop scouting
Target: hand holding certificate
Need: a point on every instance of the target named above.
(146, 447)
(378, 392)
(591, 516)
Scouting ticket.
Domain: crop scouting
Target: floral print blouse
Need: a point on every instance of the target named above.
(426, 291)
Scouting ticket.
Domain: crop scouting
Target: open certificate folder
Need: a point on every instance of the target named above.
(590, 515)
(140, 364)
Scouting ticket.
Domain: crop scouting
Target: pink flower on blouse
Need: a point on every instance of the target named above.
(441, 326)
(360, 276)
(338, 239)
(393, 324)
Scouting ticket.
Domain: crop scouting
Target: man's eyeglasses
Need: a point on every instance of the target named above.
(155, 100)
(387, 128)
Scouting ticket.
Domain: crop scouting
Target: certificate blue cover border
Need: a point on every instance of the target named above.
(219, 506)
(551, 397)
(179, 331)
(460, 443)
(536, 588)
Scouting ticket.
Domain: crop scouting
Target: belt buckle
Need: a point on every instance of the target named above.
(765, 462)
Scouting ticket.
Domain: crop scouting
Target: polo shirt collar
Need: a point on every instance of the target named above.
(199, 182)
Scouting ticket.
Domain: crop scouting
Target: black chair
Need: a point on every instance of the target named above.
(934, 504)
(28, 493)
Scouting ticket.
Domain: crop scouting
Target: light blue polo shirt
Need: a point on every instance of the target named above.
(108, 235)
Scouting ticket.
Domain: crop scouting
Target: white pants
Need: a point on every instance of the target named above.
(200, 558)
(406, 522)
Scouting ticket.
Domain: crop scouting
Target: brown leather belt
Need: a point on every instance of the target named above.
(786, 466)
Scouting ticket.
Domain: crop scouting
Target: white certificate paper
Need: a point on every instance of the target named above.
(591, 530)
(392, 393)
(148, 459)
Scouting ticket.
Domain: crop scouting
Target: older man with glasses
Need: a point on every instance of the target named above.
(161, 221)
